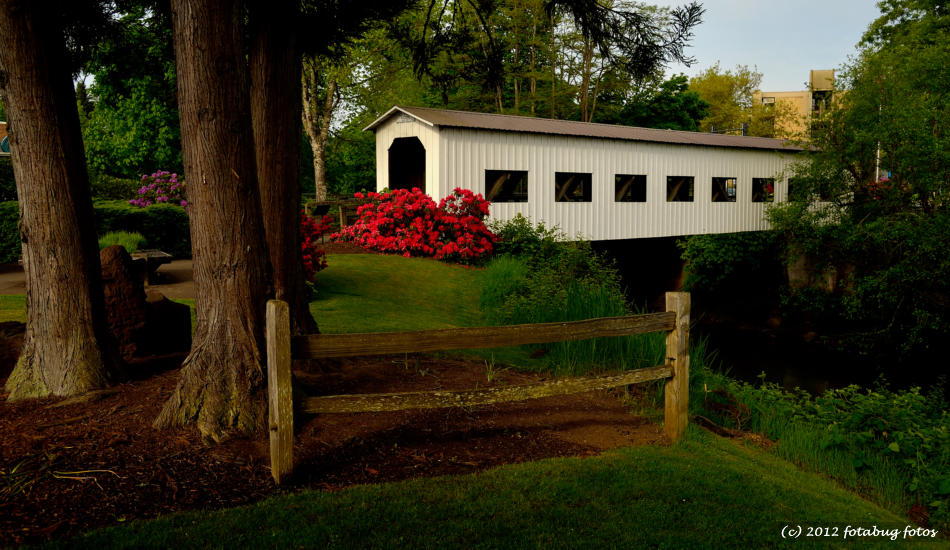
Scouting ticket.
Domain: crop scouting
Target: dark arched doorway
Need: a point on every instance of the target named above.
(407, 164)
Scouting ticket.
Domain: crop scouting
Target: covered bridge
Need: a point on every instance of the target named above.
(597, 181)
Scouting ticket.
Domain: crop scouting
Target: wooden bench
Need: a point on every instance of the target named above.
(282, 349)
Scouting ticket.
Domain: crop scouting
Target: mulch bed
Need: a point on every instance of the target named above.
(71, 465)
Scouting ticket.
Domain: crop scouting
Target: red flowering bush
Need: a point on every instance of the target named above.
(314, 257)
(410, 223)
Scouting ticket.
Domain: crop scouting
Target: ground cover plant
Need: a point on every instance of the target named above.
(410, 223)
(129, 241)
(892, 446)
(540, 277)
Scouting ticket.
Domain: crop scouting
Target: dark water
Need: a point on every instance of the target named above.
(745, 348)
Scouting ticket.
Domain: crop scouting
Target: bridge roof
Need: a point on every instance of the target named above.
(514, 123)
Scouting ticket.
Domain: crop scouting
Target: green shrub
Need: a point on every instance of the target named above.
(129, 241)
(7, 182)
(108, 188)
(894, 445)
(519, 237)
(164, 226)
(9, 232)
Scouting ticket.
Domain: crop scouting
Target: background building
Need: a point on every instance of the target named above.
(806, 103)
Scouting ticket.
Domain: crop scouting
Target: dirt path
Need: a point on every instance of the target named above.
(130, 470)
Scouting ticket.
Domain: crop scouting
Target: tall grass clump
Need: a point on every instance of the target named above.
(541, 278)
(892, 446)
(129, 241)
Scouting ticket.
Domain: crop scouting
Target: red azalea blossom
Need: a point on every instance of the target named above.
(311, 231)
(410, 223)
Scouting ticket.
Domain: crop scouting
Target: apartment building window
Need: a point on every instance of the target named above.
(679, 189)
(630, 188)
(506, 185)
(724, 189)
(573, 187)
(763, 189)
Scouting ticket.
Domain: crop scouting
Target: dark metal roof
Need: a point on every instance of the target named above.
(513, 123)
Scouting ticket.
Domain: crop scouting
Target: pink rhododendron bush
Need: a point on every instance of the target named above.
(311, 231)
(410, 223)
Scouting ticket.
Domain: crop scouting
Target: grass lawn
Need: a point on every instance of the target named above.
(13, 308)
(704, 493)
(370, 293)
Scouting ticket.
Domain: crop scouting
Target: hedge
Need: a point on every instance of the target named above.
(7, 183)
(164, 226)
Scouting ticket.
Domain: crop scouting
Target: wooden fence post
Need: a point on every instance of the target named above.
(676, 413)
(280, 399)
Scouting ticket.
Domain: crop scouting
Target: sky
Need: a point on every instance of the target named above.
(784, 40)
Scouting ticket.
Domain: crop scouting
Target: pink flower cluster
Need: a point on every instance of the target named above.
(314, 257)
(409, 223)
(160, 188)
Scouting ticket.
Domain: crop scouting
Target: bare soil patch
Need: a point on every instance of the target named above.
(67, 466)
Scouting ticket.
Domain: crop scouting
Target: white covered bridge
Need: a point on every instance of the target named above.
(597, 181)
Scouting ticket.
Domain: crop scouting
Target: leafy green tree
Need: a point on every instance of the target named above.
(133, 128)
(873, 193)
(729, 95)
(671, 105)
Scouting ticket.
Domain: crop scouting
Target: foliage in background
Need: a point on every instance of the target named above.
(165, 226)
(9, 232)
(735, 272)
(112, 188)
(729, 96)
(130, 126)
(409, 223)
(129, 241)
(670, 105)
(881, 230)
(7, 181)
(892, 446)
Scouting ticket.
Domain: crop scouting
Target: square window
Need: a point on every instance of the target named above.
(630, 188)
(506, 185)
(679, 189)
(763, 189)
(573, 187)
(724, 189)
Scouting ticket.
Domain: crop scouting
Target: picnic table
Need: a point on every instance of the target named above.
(153, 259)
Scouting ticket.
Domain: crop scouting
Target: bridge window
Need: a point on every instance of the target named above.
(630, 188)
(679, 188)
(763, 189)
(506, 185)
(724, 189)
(572, 187)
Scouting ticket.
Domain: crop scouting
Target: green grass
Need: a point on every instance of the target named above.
(371, 293)
(129, 241)
(13, 308)
(704, 493)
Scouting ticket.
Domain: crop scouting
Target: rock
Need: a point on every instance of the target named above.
(125, 298)
(11, 343)
(167, 326)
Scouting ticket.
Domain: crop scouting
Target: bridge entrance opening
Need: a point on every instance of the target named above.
(407, 164)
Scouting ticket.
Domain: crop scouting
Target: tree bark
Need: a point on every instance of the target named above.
(317, 117)
(221, 383)
(275, 81)
(66, 349)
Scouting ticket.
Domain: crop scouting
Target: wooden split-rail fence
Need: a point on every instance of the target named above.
(282, 349)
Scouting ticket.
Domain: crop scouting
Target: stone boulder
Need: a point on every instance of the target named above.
(167, 326)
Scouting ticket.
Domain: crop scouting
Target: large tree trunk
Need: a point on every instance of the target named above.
(221, 384)
(275, 83)
(317, 116)
(67, 349)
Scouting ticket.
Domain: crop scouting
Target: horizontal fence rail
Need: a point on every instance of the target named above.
(384, 402)
(281, 349)
(319, 346)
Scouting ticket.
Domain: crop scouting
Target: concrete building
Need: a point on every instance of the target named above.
(596, 181)
(805, 103)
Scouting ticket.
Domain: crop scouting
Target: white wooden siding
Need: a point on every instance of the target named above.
(459, 157)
